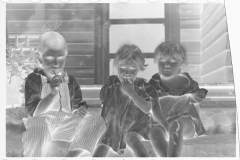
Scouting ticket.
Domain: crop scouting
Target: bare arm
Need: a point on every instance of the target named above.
(145, 106)
(141, 103)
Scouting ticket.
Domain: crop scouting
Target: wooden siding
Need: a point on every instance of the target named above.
(75, 22)
(216, 56)
(205, 37)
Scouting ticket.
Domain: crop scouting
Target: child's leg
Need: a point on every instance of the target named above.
(101, 151)
(177, 129)
(35, 137)
(158, 138)
(78, 153)
(133, 140)
(88, 134)
(56, 148)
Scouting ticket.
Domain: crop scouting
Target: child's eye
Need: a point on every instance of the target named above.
(49, 58)
(61, 58)
(162, 60)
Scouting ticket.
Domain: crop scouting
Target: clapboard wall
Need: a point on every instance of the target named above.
(25, 22)
(215, 55)
(205, 36)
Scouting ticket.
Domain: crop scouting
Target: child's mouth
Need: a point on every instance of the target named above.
(57, 72)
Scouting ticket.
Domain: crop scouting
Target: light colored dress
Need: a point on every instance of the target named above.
(56, 125)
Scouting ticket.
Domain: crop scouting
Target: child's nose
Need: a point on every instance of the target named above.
(127, 73)
(55, 62)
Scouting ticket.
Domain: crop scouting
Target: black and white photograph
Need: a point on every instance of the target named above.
(153, 79)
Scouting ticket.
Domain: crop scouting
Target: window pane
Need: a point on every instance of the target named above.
(138, 10)
(146, 36)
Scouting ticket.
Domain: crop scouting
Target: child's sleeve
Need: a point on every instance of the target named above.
(33, 89)
(77, 96)
(198, 93)
(103, 91)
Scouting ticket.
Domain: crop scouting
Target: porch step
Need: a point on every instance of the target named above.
(217, 145)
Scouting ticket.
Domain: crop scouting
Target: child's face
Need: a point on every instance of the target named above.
(127, 69)
(53, 61)
(168, 66)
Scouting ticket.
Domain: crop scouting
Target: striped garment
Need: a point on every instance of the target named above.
(55, 125)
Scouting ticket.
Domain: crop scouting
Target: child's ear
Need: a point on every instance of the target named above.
(39, 57)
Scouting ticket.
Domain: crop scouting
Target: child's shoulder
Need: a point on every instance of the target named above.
(140, 81)
(35, 75)
(112, 80)
(187, 75)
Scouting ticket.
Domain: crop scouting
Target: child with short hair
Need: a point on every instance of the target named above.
(126, 105)
(55, 107)
(178, 94)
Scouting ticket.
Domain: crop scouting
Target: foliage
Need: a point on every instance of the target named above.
(19, 62)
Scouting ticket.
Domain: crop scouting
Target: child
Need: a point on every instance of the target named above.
(175, 112)
(126, 105)
(55, 107)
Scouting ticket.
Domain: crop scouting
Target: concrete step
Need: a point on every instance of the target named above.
(218, 145)
(221, 141)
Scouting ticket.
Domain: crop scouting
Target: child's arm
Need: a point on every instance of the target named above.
(32, 93)
(142, 104)
(196, 94)
(47, 101)
(81, 106)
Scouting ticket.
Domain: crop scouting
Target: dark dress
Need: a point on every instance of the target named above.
(121, 114)
(179, 108)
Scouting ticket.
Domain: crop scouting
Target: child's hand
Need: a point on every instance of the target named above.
(127, 86)
(82, 111)
(55, 84)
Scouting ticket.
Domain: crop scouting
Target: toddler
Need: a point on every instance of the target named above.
(178, 93)
(55, 107)
(126, 105)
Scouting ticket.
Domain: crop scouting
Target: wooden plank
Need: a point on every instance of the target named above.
(72, 6)
(36, 26)
(81, 72)
(72, 47)
(190, 35)
(78, 47)
(21, 6)
(215, 48)
(78, 37)
(213, 35)
(216, 62)
(71, 14)
(75, 25)
(221, 75)
(85, 81)
(193, 69)
(212, 17)
(193, 57)
(80, 60)
(77, 53)
(190, 24)
(24, 15)
(193, 46)
(214, 20)
(145, 55)
(52, 6)
(191, 10)
(138, 21)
